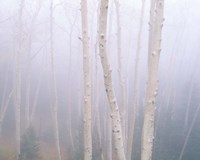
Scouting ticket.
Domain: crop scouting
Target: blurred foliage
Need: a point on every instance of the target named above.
(29, 145)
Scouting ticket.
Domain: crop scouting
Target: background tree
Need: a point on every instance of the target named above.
(18, 76)
(29, 145)
(134, 108)
(54, 84)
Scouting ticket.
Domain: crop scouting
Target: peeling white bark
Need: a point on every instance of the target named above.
(155, 24)
(87, 83)
(115, 116)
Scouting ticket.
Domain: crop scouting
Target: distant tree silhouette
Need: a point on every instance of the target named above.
(29, 145)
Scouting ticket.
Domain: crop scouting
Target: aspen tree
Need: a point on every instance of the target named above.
(32, 115)
(109, 137)
(115, 116)
(155, 32)
(123, 106)
(87, 83)
(109, 140)
(96, 111)
(28, 80)
(18, 78)
(189, 132)
(4, 108)
(54, 86)
(135, 89)
(188, 105)
(69, 101)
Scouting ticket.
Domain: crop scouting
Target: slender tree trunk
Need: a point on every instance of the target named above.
(54, 87)
(36, 97)
(123, 106)
(186, 123)
(109, 137)
(87, 83)
(96, 111)
(4, 109)
(135, 89)
(28, 80)
(156, 23)
(3, 100)
(189, 132)
(115, 116)
(69, 104)
(18, 78)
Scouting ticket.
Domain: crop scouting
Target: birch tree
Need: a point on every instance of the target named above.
(115, 116)
(155, 32)
(28, 80)
(189, 132)
(87, 83)
(96, 110)
(135, 85)
(4, 108)
(123, 106)
(18, 77)
(69, 88)
(54, 85)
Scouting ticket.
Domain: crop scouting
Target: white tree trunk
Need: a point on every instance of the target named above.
(133, 109)
(189, 132)
(156, 23)
(18, 78)
(4, 108)
(69, 104)
(28, 80)
(54, 86)
(87, 83)
(96, 110)
(108, 137)
(35, 102)
(123, 106)
(115, 116)
(186, 124)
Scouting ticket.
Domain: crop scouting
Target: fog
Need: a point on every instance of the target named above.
(47, 84)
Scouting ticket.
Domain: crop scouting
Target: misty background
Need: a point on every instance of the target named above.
(177, 107)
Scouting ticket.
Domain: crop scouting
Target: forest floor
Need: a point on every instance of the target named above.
(8, 150)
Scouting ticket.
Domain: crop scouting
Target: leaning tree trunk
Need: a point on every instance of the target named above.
(54, 86)
(115, 116)
(156, 23)
(87, 84)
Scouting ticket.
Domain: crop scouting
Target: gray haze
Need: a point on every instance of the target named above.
(179, 88)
